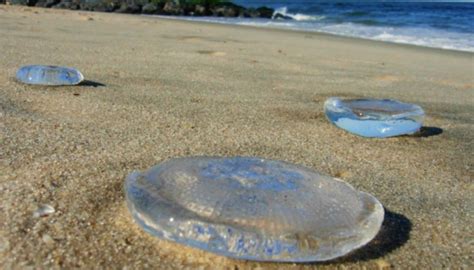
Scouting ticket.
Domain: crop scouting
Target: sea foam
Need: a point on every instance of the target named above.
(296, 16)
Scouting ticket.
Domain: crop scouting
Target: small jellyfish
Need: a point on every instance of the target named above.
(253, 209)
(374, 117)
(49, 75)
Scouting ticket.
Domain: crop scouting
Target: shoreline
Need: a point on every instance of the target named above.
(241, 9)
(301, 31)
(160, 89)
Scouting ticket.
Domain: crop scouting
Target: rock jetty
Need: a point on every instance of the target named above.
(158, 7)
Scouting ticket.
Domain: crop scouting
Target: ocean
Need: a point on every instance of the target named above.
(447, 25)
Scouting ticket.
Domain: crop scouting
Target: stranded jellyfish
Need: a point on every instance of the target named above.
(252, 208)
(374, 117)
(49, 75)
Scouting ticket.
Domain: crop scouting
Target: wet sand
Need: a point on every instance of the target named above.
(159, 89)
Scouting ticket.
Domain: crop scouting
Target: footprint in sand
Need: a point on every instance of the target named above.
(85, 17)
(458, 85)
(213, 53)
(190, 38)
(386, 79)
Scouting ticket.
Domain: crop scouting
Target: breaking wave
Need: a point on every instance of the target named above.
(283, 13)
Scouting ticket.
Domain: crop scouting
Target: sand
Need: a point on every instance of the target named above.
(159, 89)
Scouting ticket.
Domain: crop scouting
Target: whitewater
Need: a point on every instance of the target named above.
(437, 25)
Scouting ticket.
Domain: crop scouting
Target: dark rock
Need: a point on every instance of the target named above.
(166, 7)
(129, 8)
(40, 3)
(75, 6)
(149, 8)
(67, 4)
(200, 10)
(62, 5)
(223, 12)
(265, 12)
(173, 8)
(23, 2)
(227, 9)
(249, 13)
(190, 9)
(17, 2)
(100, 5)
(50, 3)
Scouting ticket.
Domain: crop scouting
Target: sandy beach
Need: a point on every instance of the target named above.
(158, 89)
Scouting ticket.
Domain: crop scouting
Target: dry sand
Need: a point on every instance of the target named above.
(174, 89)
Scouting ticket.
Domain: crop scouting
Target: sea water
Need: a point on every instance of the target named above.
(431, 24)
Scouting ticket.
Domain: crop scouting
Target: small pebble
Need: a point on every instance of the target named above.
(48, 240)
(43, 211)
(4, 244)
(382, 264)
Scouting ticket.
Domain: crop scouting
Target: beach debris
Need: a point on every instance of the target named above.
(43, 211)
(47, 239)
(378, 118)
(49, 75)
(4, 244)
(253, 209)
(213, 53)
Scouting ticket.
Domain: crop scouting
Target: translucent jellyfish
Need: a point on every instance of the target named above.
(252, 209)
(374, 117)
(49, 75)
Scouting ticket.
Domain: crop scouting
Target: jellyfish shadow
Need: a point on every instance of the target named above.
(427, 132)
(394, 233)
(91, 83)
